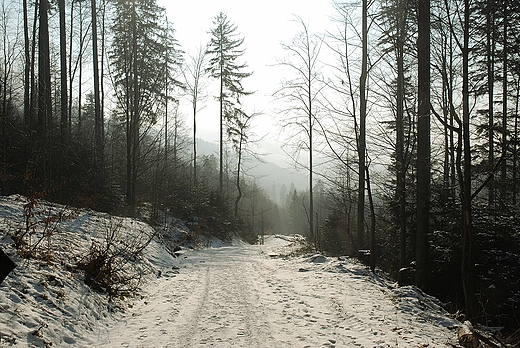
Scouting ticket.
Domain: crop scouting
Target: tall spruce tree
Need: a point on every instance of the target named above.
(224, 49)
(396, 18)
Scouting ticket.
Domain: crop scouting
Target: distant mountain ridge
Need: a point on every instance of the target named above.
(270, 176)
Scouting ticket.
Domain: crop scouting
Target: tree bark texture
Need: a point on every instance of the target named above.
(423, 143)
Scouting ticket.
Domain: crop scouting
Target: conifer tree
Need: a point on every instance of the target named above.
(224, 49)
(139, 66)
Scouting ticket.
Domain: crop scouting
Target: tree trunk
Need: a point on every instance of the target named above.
(468, 261)
(503, 169)
(80, 73)
(64, 124)
(70, 72)
(27, 69)
(453, 171)
(239, 165)
(63, 66)
(491, 82)
(445, 114)
(311, 120)
(136, 112)
(128, 131)
(98, 117)
(197, 62)
(372, 237)
(362, 128)
(221, 145)
(400, 159)
(423, 143)
(165, 177)
(515, 146)
(195, 142)
(176, 123)
(102, 72)
(44, 96)
(34, 89)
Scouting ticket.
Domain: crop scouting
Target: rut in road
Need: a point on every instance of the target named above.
(225, 307)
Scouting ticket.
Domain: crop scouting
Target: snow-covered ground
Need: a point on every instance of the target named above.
(240, 296)
(236, 295)
(44, 301)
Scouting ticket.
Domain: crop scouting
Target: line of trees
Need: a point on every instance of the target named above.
(410, 103)
(91, 113)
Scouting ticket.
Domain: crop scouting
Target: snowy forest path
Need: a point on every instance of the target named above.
(224, 307)
(212, 300)
(240, 296)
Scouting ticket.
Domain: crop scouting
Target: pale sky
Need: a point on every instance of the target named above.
(263, 25)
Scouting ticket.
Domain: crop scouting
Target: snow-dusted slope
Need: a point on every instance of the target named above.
(44, 301)
(235, 295)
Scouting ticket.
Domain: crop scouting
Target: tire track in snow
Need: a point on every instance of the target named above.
(227, 312)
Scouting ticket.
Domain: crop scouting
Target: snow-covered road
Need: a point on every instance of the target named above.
(241, 296)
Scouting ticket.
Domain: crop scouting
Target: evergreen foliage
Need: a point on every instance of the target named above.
(224, 49)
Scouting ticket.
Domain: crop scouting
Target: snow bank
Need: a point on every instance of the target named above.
(45, 301)
(280, 245)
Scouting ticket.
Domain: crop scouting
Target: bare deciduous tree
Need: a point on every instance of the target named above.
(301, 91)
(194, 71)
